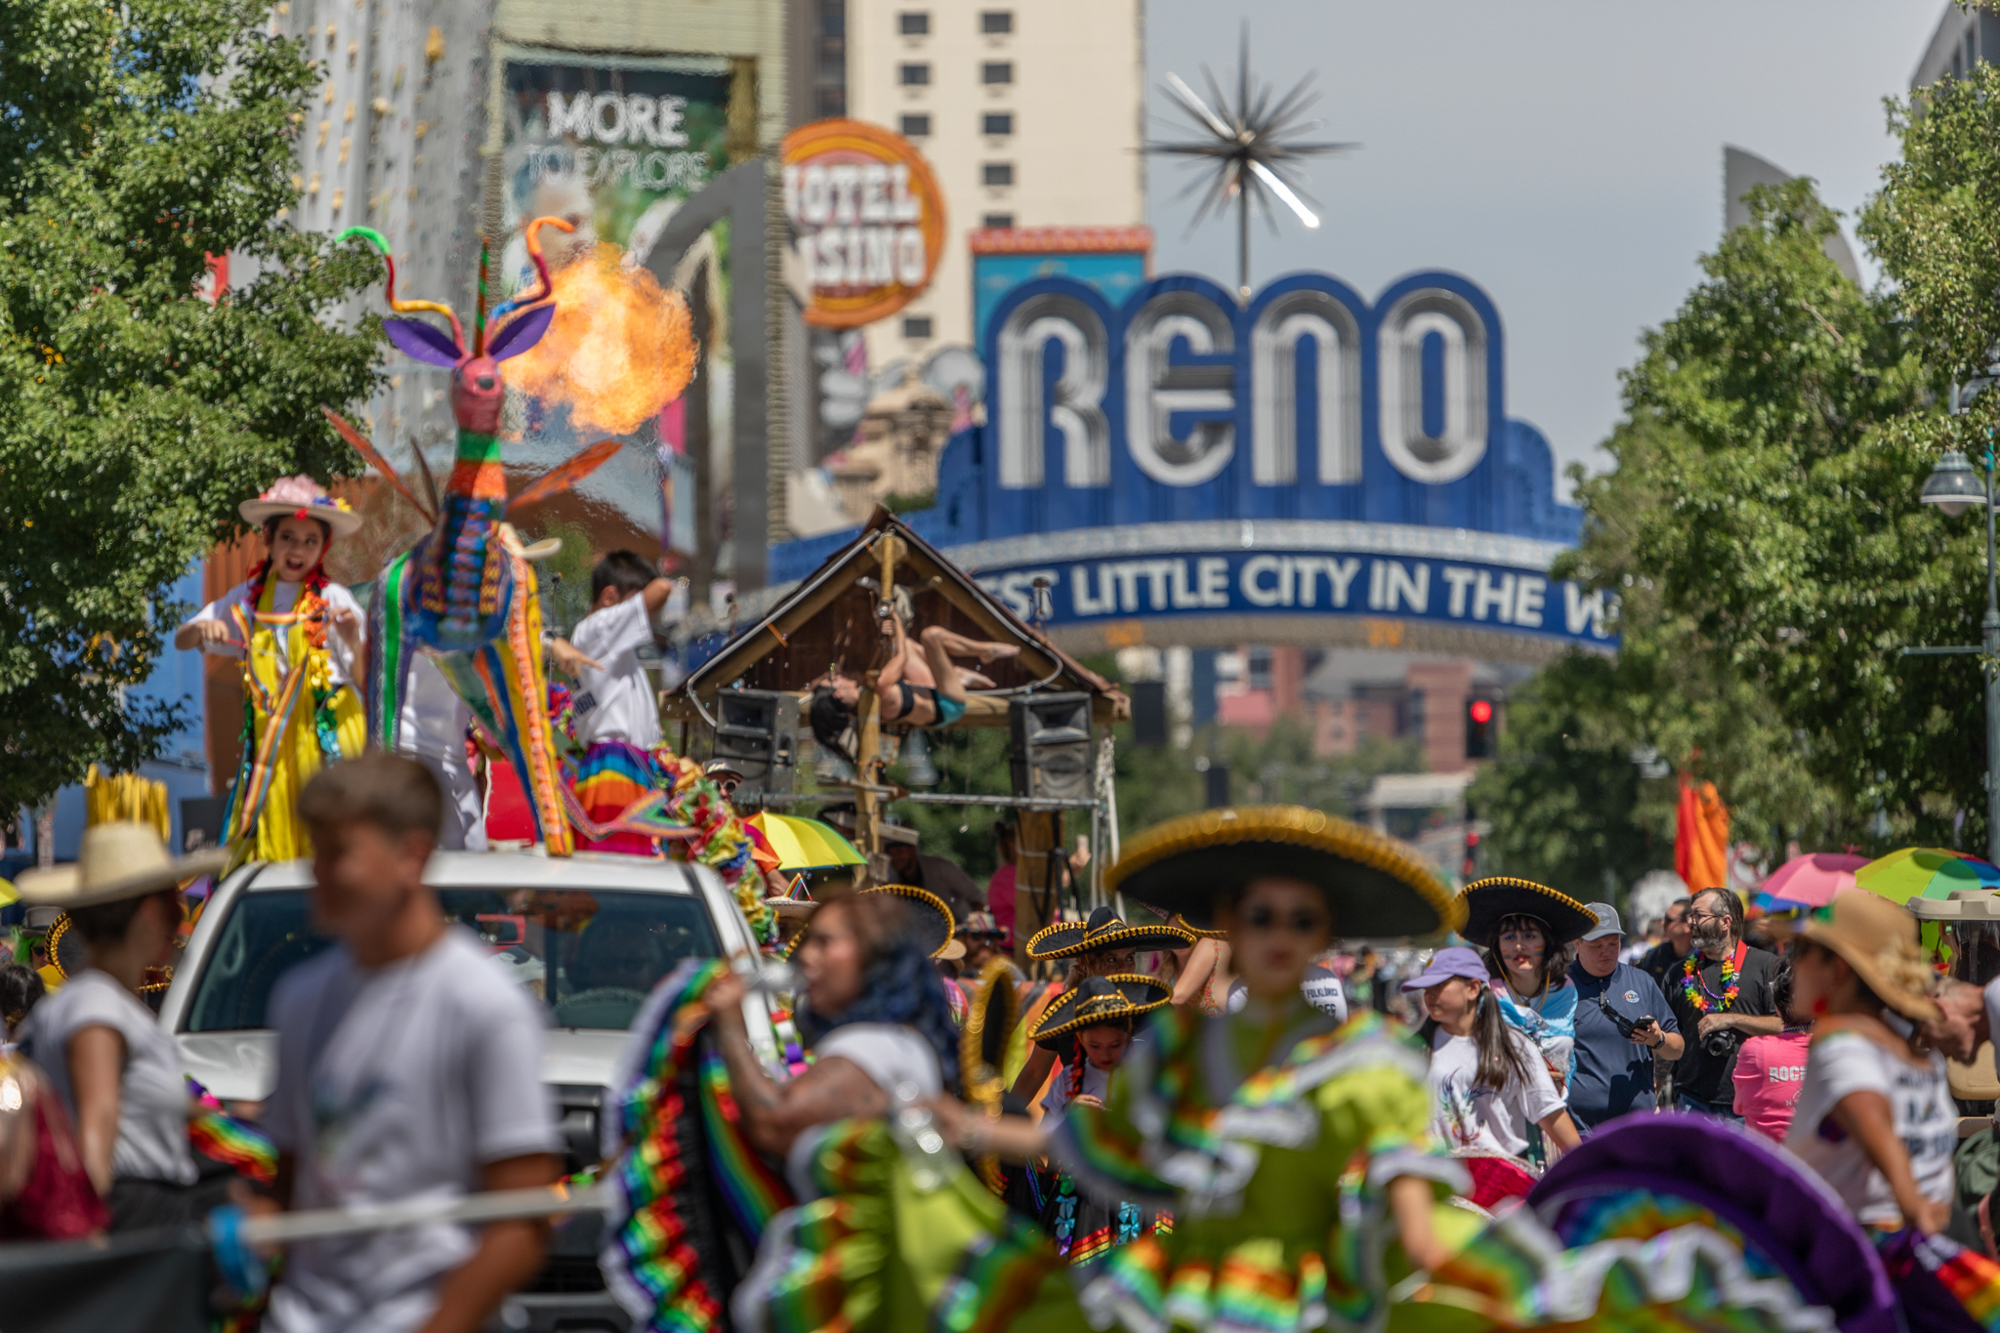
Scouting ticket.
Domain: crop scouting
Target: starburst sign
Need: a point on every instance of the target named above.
(1251, 149)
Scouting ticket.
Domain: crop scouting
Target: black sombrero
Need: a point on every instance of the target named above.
(1105, 930)
(1377, 887)
(933, 928)
(1123, 995)
(1492, 900)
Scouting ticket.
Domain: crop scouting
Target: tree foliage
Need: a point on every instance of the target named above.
(136, 140)
(1762, 528)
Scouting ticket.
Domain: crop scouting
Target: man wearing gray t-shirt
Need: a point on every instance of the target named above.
(409, 1066)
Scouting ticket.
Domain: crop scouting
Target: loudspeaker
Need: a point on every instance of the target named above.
(1052, 753)
(758, 732)
(1149, 713)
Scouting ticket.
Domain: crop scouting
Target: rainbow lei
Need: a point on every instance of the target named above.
(1696, 990)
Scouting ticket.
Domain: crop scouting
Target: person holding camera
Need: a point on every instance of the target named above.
(1721, 996)
(1622, 1018)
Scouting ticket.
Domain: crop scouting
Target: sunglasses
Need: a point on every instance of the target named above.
(1298, 923)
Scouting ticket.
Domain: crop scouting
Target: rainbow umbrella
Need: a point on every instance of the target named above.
(804, 844)
(1925, 872)
(1809, 881)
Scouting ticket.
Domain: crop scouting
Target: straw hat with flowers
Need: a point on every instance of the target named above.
(1878, 940)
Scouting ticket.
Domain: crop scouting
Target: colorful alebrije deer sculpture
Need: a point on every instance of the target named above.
(464, 594)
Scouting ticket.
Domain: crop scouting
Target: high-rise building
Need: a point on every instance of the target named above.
(1962, 39)
(1030, 112)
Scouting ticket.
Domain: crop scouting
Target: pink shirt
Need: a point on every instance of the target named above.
(1769, 1072)
(1000, 899)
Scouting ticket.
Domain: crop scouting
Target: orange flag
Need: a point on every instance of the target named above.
(1701, 837)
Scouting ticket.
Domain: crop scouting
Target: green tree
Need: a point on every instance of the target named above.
(1762, 530)
(137, 139)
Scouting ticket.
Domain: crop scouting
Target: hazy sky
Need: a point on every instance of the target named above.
(1566, 155)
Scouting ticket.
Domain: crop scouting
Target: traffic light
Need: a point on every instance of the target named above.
(1482, 728)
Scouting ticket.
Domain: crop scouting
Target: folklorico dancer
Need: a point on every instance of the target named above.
(1295, 1155)
(300, 637)
(1091, 1027)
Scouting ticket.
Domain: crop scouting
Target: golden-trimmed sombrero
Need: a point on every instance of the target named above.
(1105, 930)
(1377, 887)
(1490, 901)
(933, 928)
(1122, 996)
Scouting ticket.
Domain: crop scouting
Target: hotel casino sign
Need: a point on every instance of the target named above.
(1310, 467)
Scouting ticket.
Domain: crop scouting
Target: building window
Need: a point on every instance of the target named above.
(997, 122)
(997, 173)
(1260, 668)
(916, 127)
(916, 76)
(830, 59)
(916, 326)
(913, 23)
(997, 220)
(996, 20)
(996, 71)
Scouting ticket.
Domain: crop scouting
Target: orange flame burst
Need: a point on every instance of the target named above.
(620, 347)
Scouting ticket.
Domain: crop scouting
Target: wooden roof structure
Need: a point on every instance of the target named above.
(830, 621)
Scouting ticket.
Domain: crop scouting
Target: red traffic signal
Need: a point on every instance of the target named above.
(1482, 728)
(1481, 711)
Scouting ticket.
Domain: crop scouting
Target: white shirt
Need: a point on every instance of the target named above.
(283, 596)
(1839, 1064)
(1476, 1120)
(431, 721)
(889, 1053)
(152, 1094)
(1321, 987)
(393, 1084)
(1096, 1083)
(616, 702)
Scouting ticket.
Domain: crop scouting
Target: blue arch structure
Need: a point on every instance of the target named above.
(1381, 466)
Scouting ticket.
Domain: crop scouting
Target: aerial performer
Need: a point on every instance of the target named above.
(464, 595)
(301, 640)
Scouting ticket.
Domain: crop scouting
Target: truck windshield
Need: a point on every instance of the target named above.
(590, 956)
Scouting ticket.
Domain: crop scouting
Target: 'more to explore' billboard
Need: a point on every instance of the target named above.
(1308, 467)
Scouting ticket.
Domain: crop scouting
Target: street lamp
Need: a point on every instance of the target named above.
(1954, 488)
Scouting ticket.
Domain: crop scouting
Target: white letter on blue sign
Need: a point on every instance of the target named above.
(1256, 593)
(1416, 453)
(1078, 411)
(1489, 596)
(1390, 582)
(1582, 609)
(1155, 389)
(1079, 588)
(1274, 410)
(1528, 596)
(1458, 578)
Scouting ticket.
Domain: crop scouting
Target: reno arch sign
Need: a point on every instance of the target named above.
(1308, 467)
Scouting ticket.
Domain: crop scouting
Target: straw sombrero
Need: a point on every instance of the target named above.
(120, 859)
(1105, 930)
(933, 928)
(1123, 996)
(1492, 900)
(1878, 940)
(1376, 887)
(301, 497)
